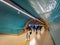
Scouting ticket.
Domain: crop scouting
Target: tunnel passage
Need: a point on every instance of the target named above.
(31, 21)
(43, 34)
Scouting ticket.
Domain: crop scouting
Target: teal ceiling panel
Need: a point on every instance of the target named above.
(10, 21)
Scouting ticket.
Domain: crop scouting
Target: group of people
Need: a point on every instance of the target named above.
(31, 27)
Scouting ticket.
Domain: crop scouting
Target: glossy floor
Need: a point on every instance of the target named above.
(40, 39)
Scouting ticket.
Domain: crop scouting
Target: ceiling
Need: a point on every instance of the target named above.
(13, 20)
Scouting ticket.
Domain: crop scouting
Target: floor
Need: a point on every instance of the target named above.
(40, 39)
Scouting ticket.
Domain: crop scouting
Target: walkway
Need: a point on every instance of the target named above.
(44, 39)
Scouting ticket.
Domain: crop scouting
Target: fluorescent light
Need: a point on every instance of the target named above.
(40, 6)
(20, 10)
(17, 9)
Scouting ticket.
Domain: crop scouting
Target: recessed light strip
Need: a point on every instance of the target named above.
(19, 10)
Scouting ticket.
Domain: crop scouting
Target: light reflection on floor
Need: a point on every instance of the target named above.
(38, 36)
(32, 42)
(39, 39)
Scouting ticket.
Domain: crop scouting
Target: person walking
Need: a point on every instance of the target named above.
(36, 28)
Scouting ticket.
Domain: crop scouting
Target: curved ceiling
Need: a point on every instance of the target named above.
(11, 15)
